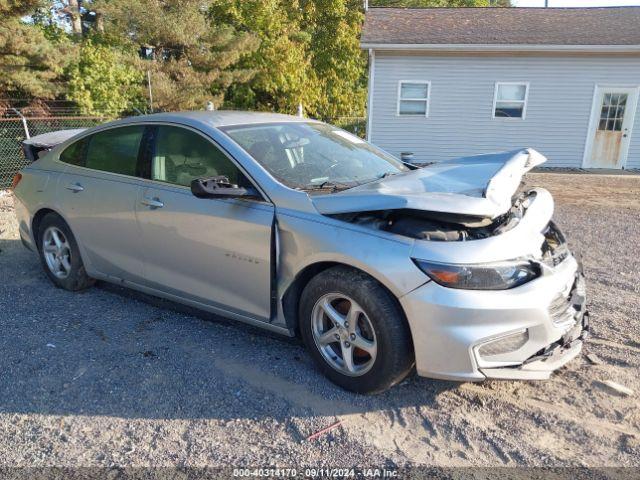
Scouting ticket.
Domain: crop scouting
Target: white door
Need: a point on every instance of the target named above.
(610, 127)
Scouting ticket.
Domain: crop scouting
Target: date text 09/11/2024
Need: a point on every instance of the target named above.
(310, 472)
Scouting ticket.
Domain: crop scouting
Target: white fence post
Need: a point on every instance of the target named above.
(24, 123)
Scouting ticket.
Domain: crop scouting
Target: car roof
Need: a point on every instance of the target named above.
(217, 118)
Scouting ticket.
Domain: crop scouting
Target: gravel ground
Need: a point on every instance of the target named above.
(109, 377)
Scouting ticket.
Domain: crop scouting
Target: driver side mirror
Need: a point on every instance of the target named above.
(219, 186)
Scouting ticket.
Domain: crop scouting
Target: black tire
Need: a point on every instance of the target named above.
(394, 359)
(77, 278)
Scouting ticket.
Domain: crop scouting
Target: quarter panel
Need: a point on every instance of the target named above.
(35, 191)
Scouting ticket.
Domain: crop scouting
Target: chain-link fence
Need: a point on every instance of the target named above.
(23, 119)
(11, 157)
(19, 121)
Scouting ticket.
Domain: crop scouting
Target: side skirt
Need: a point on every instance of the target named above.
(199, 305)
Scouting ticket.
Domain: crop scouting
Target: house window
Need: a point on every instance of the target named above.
(413, 98)
(510, 100)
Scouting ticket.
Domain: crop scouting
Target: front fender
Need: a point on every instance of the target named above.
(305, 240)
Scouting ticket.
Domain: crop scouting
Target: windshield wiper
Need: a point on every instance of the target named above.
(388, 174)
(329, 185)
(384, 175)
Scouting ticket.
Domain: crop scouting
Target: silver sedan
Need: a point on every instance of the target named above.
(301, 228)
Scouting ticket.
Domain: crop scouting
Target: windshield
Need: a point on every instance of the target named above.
(312, 156)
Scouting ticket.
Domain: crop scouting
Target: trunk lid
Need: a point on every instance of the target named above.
(34, 147)
(478, 186)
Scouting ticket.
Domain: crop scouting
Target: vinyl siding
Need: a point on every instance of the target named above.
(461, 100)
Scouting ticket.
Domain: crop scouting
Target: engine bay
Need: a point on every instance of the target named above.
(438, 226)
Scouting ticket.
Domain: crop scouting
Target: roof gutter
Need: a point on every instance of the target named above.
(457, 47)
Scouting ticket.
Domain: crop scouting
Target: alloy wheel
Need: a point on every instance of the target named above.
(57, 252)
(344, 334)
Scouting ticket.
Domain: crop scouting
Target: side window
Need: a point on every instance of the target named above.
(115, 150)
(182, 155)
(74, 153)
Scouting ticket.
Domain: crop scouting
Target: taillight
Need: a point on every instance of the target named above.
(16, 180)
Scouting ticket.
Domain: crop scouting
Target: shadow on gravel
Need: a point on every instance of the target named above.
(115, 352)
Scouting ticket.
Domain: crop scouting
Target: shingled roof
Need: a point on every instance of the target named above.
(610, 26)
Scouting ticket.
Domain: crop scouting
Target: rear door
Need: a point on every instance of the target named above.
(98, 193)
(212, 251)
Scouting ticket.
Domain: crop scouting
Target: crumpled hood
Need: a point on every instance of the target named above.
(480, 186)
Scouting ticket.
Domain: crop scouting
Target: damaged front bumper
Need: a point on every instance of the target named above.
(543, 363)
(520, 333)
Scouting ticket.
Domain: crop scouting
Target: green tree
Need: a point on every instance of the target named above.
(31, 62)
(191, 60)
(103, 82)
(284, 77)
(336, 58)
(309, 54)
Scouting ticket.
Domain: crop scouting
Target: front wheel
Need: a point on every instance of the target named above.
(355, 331)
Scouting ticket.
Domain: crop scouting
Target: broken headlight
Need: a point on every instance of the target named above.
(482, 276)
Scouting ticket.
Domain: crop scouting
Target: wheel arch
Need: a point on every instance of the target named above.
(35, 226)
(37, 219)
(291, 298)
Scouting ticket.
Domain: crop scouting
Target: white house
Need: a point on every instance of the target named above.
(450, 82)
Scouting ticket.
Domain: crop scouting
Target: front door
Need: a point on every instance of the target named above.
(611, 124)
(216, 252)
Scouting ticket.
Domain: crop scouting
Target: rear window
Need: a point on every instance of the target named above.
(115, 150)
(74, 153)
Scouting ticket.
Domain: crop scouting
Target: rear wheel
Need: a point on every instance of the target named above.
(60, 255)
(355, 331)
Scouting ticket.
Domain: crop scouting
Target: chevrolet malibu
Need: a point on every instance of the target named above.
(453, 269)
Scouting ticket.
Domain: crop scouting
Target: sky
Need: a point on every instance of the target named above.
(574, 3)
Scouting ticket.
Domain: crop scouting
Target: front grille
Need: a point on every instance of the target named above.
(554, 247)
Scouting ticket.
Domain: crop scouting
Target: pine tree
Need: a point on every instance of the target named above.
(31, 62)
(189, 60)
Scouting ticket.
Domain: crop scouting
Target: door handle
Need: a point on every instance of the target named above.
(75, 187)
(152, 202)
